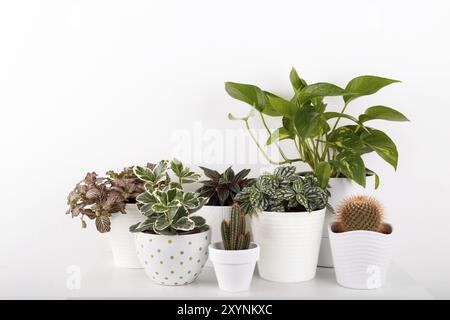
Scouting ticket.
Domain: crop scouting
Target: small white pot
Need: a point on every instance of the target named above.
(173, 260)
(121, 239)
(234, 268)
(340, 188)
(289, 243)
(361, 258)
(214, 215)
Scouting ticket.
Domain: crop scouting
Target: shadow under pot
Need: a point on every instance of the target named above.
(173, 260)
(234, 268)
(361, 258)
(289, 244)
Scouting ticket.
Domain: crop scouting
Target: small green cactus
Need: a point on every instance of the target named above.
(234, 236)
(360, 213)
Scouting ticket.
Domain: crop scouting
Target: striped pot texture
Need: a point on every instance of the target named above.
(289, 244)
(361, 258)
(173, 260)
(121, 239)
(340, 189)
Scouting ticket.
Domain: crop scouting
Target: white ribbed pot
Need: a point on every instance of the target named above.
(289, 244)
(361, 258)
(234, 268)
(121, 239)
(214, 215)
(173, 260)
(340, 188)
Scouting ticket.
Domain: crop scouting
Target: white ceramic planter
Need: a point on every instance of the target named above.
(234, 268)
(173, 260)
(340, 188)
(214, 215)
(121, 239)
(361, 258)
(289, 244)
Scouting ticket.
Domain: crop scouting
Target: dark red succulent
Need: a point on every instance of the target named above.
(221, 188)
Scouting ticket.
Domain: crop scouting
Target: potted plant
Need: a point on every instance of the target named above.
(234, 258)
(220, 189)
(288, 214)
(361, 243)
(111, 202)
(333, 151)
(171, 243)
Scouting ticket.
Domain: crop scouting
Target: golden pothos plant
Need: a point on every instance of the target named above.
(330, 149)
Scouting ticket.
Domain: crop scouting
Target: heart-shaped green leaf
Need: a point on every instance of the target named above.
(351, 165)
(365, 85)
(381, 144)
(382, 113)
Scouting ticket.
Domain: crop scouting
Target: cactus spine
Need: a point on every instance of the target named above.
(234, 235)
(360, 213)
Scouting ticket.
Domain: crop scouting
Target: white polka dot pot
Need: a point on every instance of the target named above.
(173, 260)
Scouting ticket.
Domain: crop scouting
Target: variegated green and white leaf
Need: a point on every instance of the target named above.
(285, 171)
(162, 223)
(199, 221)
(184, 224)
(145, 198)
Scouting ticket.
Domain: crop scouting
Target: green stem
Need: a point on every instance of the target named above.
(339, 118)
(270, 133)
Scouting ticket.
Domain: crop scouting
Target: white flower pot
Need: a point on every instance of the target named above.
(361, 258)
(340, 188)
(121, 239)
(173, 260)
(234, 268)
(214, 216)
(289, 244)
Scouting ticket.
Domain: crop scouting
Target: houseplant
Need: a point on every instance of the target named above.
(330, 149)
(111, 202)
(220, 189)
(288, 212)
(171, 243)
(361, 243)
(234, 258)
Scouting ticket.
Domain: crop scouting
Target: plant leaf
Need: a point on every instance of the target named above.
(199, 221)
(323, 173)
(365, 85)
(184, 224)
(278, 135)
(351, 165)
(162, 223)
(382, 113)
(297, 82)
(247, 93)
(283, 107)
(103, 224)
(381, 144)
(310, 123)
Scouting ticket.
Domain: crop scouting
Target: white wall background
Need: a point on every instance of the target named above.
(95, 84)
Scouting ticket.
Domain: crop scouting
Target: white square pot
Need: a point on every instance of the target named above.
(173, 260)
(234, 268)
(361, 258)
(122, 240)
(289, 244)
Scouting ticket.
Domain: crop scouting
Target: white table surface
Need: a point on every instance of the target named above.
(105, 281)
(48, 278)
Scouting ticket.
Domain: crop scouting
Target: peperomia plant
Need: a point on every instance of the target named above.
(168, 208)
(221, 188)
(98, 197)
(329, 149)
(283, 191)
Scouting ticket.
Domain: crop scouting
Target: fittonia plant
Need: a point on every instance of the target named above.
(168, 208)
